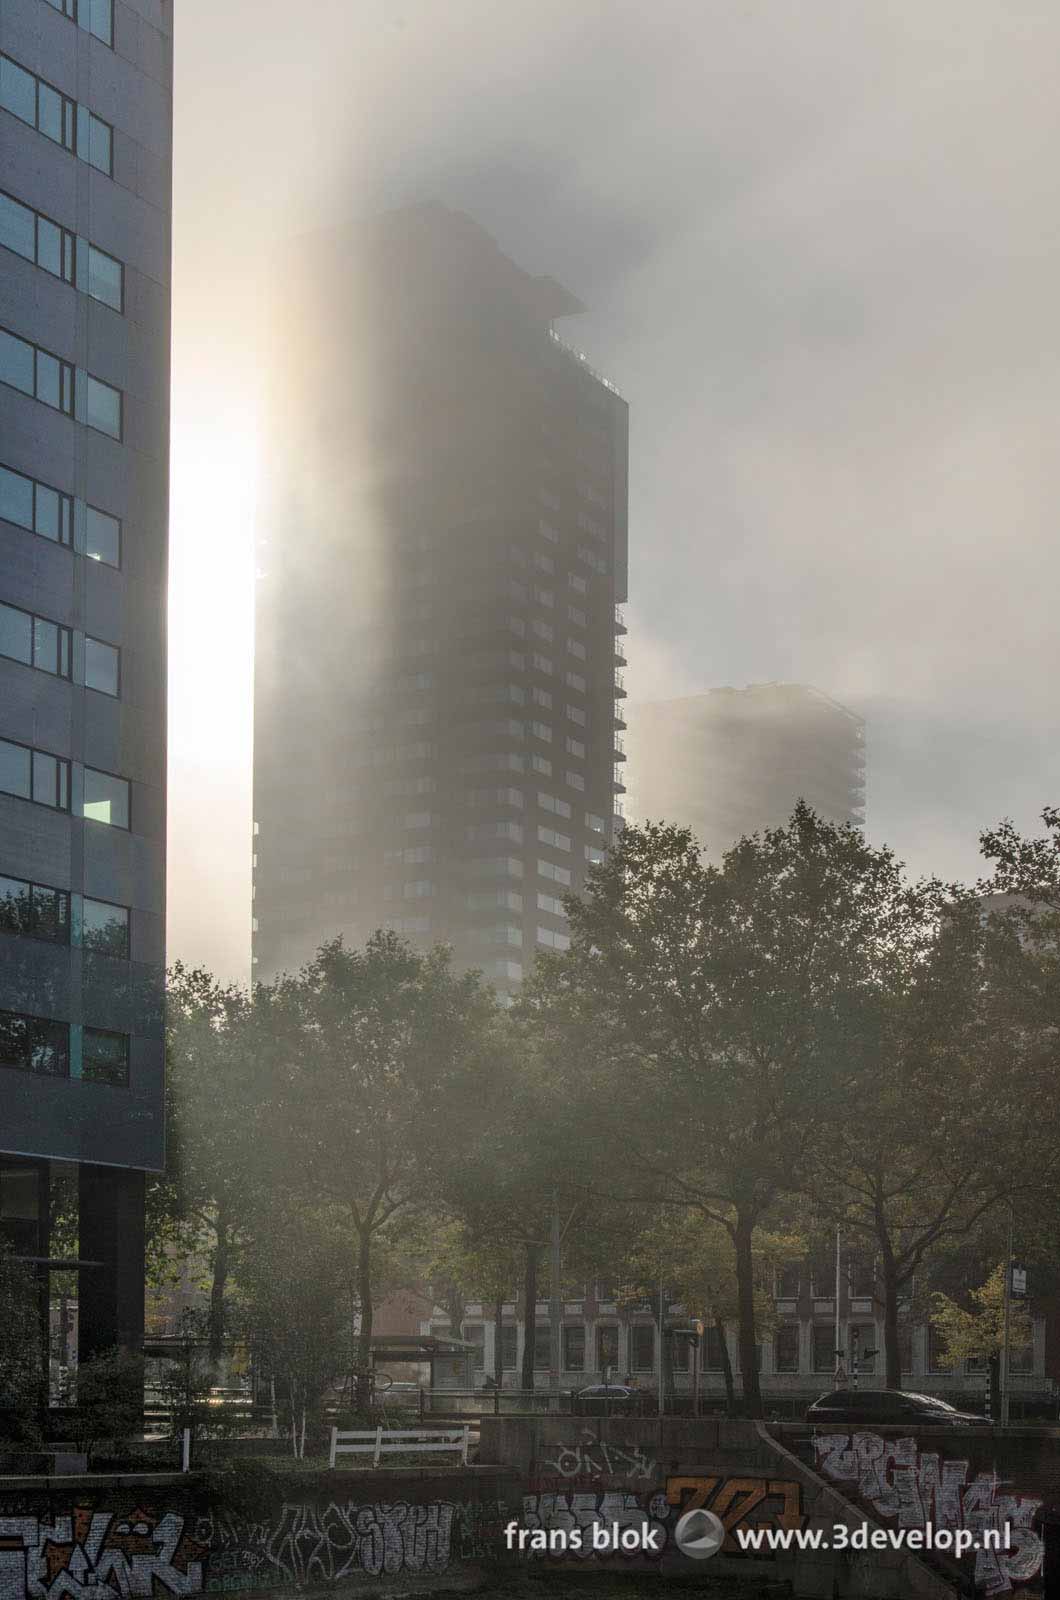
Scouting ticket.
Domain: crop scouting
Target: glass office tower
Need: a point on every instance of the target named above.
(85, 208)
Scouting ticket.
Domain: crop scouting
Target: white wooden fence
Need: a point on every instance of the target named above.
(377, 1442)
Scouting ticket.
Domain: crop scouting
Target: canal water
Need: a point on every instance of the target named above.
(632, 1586)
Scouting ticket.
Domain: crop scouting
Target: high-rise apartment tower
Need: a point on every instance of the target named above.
(444, 547)
(735, 761)
(85, 181)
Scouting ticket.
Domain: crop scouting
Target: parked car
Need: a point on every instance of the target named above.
(399, 1393)
(606, 1399)
(890, 1408)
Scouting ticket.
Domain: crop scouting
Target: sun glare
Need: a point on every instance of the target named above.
(211, 660)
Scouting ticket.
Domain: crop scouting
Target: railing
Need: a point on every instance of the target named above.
(583, 360)
(620, 621)
(378, 1442)
(458, 1403)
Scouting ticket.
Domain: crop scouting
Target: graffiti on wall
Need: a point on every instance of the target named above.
(99, 1552)
(916, 1487)
(325, 1543)
(587, 1508)
(145, 1555)
(744, 1502)
(591, 1458)
(752, 1502)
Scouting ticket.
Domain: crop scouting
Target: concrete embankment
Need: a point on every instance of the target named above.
(662, 1467)
(259, 1528)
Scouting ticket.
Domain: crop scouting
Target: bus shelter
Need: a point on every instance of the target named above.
(450, 1362)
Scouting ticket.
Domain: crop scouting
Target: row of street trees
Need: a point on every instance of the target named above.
(726, 1059)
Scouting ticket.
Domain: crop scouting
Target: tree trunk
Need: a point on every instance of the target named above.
(498, 1352)
(455, 1306)
(498, 1342)
(530, 1315)
(994, 1363)
(218, 1285)
(891, 1349)
(665, 1365)
(364, 1337)
(726, 1365)
(745, 1299)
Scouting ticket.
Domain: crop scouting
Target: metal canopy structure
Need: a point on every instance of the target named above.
(419, 1348)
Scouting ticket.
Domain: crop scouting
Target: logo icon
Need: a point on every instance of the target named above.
(699, 1534)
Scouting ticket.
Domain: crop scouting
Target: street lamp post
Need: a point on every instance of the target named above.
(555, 1310)
(1005, 1325)
(661, 1363)
(838, 1350)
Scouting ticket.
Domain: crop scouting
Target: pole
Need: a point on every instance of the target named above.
(555, 1310)
(659, 1363)
(1005, 1332)
(695, 1374)
(837, 1265)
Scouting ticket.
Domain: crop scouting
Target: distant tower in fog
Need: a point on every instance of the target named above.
(443, 547)
(735, 761)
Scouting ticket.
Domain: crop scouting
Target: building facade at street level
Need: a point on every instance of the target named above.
(602, 1337)
(735, 761)
(443, 549)
(85, 213)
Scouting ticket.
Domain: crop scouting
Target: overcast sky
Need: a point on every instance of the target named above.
(819, 243)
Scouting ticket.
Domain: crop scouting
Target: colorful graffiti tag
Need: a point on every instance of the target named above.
(99, 1552)
(775, 1502)
(916, 1487)
(754, 1502)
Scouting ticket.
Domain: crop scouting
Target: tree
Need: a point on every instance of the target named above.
(459, 1268)
(517, 1175)
(1022, 937)
(494, 1272)
(110, 1389)
(21, 1350)
(963, 1115)
(692, 1257)
(977, 1332)
(212, 1176)
(297, 1294)
(504, 1191)
(705, 1015)
(1028, 868)
(443, 1261)
(372, 1055)
(920, 1145)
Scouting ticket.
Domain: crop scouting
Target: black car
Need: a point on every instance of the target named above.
(606, 1399)
(890, 1408)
